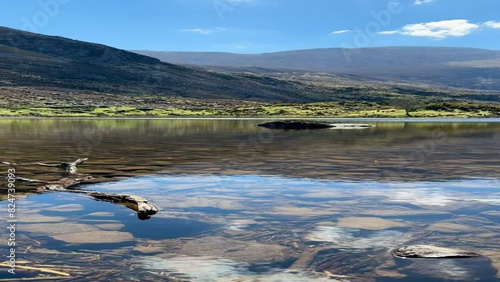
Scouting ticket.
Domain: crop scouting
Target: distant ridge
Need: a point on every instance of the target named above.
(453, 67)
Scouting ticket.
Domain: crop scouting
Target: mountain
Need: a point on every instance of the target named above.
(445, 67)
(40, 61)
(35, 65)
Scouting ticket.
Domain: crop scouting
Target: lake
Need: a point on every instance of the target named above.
(244, 203)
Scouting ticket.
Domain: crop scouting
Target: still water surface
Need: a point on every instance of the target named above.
(243, 203)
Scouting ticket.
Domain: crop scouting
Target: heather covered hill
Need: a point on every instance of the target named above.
(34, 60)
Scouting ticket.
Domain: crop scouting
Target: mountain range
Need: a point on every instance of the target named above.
(446, 67)
(41, 62)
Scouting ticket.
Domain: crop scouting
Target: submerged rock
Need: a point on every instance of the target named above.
(309, 124)
(242, 251)
(427, 251)
(448, 269)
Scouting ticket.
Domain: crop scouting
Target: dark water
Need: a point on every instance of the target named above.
(243, 203)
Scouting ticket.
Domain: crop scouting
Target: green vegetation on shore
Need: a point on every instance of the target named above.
(326, 109)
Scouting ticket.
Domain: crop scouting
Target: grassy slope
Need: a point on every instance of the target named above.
(151, 106)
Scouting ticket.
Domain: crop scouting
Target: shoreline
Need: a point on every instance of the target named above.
(336, 119)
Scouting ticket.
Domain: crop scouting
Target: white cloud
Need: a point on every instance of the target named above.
(439, 30)
(344, 237)
(213, 269)
(340, 31)
(387, 32)
(206, 31)
(492, 24)
(420, 2)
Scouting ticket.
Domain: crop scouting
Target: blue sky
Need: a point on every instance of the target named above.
(257, 26)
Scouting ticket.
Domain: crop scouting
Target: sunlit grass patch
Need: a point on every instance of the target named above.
(323, 110)
(116, 111)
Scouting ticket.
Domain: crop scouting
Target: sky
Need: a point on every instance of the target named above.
(260, 26)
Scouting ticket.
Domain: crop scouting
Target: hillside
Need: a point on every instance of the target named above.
(39, 61)
(49, 71)
(443, 67)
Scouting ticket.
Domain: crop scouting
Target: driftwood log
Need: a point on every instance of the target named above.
(71, 177)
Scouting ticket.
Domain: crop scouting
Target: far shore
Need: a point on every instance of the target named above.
(333, 119)
(262, 111)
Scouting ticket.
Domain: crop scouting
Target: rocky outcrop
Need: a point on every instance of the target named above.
(309, 124)
(295, 124)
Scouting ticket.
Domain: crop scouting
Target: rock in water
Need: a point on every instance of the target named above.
(295, 124)
(427, 251)
(310, 124)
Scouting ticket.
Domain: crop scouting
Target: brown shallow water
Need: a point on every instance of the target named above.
(404, 151)
(242, 203)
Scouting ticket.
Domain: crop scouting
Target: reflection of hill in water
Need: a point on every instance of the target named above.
(390, 151)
